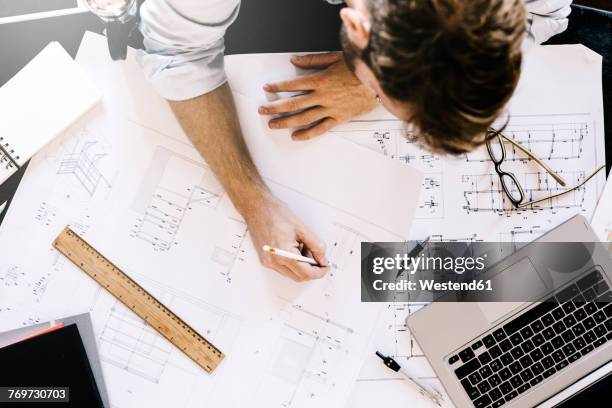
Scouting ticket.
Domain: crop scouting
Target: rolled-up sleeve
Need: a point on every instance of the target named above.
(546, 18)
(183, 39)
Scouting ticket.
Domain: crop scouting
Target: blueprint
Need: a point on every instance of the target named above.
(128, 181)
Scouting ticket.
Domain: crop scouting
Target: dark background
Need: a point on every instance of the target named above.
(276, 26)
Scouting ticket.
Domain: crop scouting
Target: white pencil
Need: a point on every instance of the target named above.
(289, 255)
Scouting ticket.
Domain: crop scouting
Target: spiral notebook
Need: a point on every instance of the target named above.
(39, 103)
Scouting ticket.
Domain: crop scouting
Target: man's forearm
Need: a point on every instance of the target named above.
(211, 123)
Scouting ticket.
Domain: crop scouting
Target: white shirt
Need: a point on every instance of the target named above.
(184, 40)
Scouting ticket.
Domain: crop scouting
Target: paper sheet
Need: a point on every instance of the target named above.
(126, 179)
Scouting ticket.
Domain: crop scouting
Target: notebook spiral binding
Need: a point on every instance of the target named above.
(6, 156)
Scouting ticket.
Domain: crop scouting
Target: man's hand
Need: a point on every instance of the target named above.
(332, 96)
(274, 224)
(212, 125)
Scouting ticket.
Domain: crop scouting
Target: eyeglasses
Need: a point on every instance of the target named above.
(510, 184)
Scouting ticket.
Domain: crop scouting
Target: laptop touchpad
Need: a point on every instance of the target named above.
(519, 282)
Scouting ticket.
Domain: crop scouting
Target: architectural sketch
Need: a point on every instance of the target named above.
(553, 141)
(130, 344)
(310, 352)
(346, 246)
(83, 164)
(484, 192)
(230, 247)
(39, 286)
(522, 233)
(12, 276)
(45, 214)
(392, 138)
(431, 203)
(174, 186)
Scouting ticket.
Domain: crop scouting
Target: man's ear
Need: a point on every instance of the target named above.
(357, 26)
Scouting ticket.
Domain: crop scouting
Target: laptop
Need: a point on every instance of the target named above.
(525, 354)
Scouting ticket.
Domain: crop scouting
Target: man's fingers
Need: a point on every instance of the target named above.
(316, 61)
(314, 131)
(306, 271)
(314, 245)
(288, 272)
(300, 83)
(292, 104)
(303, 271)
(304, 118)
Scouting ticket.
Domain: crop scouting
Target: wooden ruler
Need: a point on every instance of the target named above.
(141, 302)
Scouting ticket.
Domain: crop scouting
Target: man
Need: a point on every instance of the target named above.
(446, 66)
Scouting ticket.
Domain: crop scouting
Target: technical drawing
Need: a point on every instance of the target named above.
(522, 234)
(12, 276)
(82, 225)
(310, 353)
(549, 141)
(304, 359)
(31, 320)
(404, 344)
(229, 249)
(448, 238)
(431, 203)
(39, 286)
(345, 245)
(45, 214)
(392, 138)
(83, 163)
(483, 192)
(130, 344)
(174, 185)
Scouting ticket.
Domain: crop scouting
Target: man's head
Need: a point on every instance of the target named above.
(446, 66)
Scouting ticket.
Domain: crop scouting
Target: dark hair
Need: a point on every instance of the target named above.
(455, 63)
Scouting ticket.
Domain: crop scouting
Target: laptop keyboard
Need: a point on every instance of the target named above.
(535, 345)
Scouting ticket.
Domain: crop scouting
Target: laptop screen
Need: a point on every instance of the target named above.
(598, 391)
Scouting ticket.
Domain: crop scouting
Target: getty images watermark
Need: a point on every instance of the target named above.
(472, 271)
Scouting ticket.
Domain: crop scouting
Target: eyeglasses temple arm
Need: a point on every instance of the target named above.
(537, 159)
(522, 205)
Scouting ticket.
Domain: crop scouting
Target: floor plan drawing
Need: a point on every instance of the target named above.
(557, 138)
(466, 188)
(485, 193)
